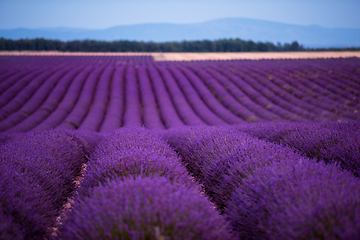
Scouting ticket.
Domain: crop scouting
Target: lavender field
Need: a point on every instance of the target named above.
(124, 147)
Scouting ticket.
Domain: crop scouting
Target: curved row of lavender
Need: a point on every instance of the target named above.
(267, 181)
(281, 161)
(102, 93)
(272, 191)
(136, 188)
(37, 177)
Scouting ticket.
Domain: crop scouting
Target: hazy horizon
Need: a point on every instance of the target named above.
(92, 14)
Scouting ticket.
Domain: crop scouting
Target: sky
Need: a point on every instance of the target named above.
(93, 14)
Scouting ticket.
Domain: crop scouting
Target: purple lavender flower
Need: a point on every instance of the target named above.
(329, 142)
(131, 152)
(297, 200)
(9, 229)
(221, 157)
(144, 208)
(37, 173)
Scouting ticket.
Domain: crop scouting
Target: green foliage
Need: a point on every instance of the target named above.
(221, 45)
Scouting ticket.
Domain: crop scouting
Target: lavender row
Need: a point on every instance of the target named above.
(34, 102)
(242, 97)
(5, 84)
(312, 70)
(332, 142)
(113, 117)
(80, 111)
(167, 95)
(10, 62)
(333, 105)
(24, 74)
(186, 113)
(133, 108)
(332, 86)
(144, 208)
(286, 96)
(151, 111)
(98, 107)
(136, 188)
(168, 112)
(292, 81)
(283, 98)
(10, 92)
(266, 98)
(206, 95)
(267, 191)
(296, 200)
(48, 105)
(22, 95)
(194, 99)
(305, 89)
(345, 79)
(36, 178)
(66, 104)
(221, 157)
(225, 98)
(7, 73)
(273, 103)
(131, 152)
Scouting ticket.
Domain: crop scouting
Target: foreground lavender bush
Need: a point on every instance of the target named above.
(144, 208)
(9, 229)
(131, 164)
(27, 209)
(221, 158)
(131, 152)
(135, 138)
(330, 142)
(6, 137)
(87, 139)
(54, 158)
(37, 173)
(297, 200)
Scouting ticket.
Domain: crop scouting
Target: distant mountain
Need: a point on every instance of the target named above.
(243, 28)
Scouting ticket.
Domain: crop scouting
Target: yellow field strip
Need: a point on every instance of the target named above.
(197, 56)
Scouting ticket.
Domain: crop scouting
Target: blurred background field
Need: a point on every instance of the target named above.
(178, 119)
(166, 56)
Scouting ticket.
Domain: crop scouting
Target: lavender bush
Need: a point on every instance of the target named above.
(220, 158)
(9, 229)
(297, 200)
(144, 208)
(132, 152)
(53, 158)
(330, 142)
(25, 204)
(37, 176)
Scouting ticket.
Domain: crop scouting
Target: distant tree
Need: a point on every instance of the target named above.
(294, 46)
(221, 45)
(262, 47)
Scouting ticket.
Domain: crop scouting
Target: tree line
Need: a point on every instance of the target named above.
(223, 45)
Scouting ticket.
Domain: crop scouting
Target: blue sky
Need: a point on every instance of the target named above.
(93, 14)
